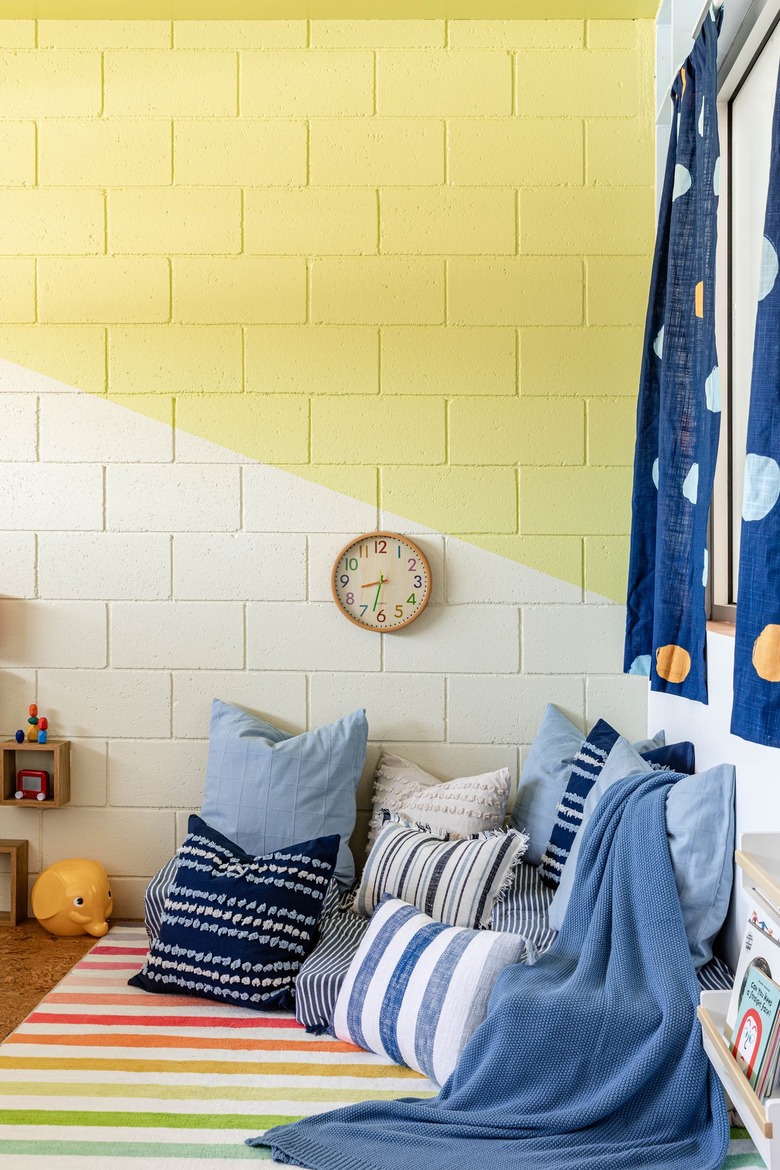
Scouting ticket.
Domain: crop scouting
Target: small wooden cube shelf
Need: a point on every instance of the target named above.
(17, 853)
(55, 760)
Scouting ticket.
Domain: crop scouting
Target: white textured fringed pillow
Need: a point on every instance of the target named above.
(417, 990)
(460, 807)
(453, 880)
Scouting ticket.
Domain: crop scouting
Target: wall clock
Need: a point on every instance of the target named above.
(381, 581)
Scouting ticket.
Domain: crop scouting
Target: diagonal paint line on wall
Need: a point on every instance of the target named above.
(557, 558)
(78, 429)
(211, 573)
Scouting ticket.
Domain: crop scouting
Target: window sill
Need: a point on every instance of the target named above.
(727, 629)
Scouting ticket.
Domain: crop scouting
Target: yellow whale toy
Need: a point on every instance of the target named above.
(73, 897)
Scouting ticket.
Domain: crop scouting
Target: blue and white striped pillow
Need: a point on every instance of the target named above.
(457, 882)
(417, 990)
(585, 771)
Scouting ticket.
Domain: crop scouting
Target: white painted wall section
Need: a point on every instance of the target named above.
(142, 573)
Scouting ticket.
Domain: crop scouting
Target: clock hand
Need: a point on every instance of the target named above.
(380, 583)
(368, 584)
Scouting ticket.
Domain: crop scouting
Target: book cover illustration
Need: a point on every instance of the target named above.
(759, 1009)
(761, 949)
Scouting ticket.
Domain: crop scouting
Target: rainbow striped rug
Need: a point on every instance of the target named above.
(100, 1074)
(101, 1077)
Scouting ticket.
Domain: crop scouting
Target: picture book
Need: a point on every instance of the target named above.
(768, 1074)
(755, 1035)
(760, 948)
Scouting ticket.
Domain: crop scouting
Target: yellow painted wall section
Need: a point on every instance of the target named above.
(334, 11)
(408, 259)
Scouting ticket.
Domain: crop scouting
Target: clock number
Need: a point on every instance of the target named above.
(411, 599)
(399, 550)
(380, 617)
(383, 543)
(350, 599)
(364, 550)
(352, 563)
(344, 579)
(363, 609)
(412, 564)
(399, 611)
(418, 582)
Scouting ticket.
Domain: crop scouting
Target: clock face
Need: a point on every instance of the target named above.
(381, 581)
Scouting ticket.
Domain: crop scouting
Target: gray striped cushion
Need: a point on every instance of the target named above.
(715, 975)
(417, 990)
(156, 896)
(322, 974)
(456, 882)
(524, 907)
(522, 910)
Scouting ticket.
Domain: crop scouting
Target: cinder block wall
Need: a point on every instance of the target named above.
(264, 286)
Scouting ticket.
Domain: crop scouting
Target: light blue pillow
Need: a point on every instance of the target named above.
(543, 780)
(545, 776)
(266, 789)
(700, 826)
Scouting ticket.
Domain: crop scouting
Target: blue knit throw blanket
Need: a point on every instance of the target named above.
(589, 1060)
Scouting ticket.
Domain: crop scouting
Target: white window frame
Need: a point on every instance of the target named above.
(737, 57)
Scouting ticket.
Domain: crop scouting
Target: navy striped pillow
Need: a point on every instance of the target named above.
(322, 974)
(588, 762)
(156, 896)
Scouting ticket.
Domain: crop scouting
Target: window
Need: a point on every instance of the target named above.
(747, 83)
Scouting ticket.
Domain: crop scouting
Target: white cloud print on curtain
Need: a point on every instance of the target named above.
(756, 711)
(678, 414)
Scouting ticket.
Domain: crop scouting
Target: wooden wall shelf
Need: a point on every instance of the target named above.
(17, 853)
(55, 759)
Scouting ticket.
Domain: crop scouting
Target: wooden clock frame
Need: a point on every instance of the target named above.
(391, 536)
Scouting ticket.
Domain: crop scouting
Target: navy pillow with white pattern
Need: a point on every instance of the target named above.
(585, 771)
(237, 928)
(588, 762)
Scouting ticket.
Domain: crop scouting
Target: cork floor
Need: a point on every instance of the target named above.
(32, 961)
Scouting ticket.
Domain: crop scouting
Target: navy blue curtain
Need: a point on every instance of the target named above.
(756, 710)
(678, 413)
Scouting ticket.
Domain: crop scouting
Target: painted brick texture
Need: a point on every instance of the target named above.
(315, 278)
(365, 209)
(156, 585)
